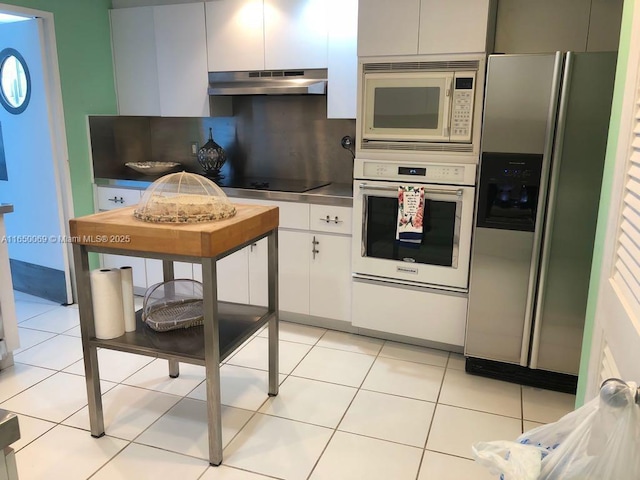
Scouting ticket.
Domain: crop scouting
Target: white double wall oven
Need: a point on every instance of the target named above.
(418, 126)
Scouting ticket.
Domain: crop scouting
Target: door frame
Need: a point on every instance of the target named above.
(609, 319)
(62, 174)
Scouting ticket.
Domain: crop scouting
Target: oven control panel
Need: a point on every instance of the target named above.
(416, 172)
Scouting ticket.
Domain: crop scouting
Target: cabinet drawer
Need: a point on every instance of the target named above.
(326, 218)
(110, 198)
(292, 215)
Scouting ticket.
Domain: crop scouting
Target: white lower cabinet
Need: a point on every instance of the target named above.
(231, 275)
(314, 261)
(294, 253)
(330, 277)
(138, 269)
(155, 273)
(315, 274)
(434, 316)
(258, 274)
(110, 198)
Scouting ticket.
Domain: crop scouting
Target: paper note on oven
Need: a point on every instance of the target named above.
(410, 214)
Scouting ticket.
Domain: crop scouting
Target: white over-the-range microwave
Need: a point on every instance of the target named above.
(425, 105)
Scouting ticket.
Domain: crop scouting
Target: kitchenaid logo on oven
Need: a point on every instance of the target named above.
(403, 269)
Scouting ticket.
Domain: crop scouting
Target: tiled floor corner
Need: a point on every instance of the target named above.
(349, 408)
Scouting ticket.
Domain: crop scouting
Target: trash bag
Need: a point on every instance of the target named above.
(510, 460)
(599, 441)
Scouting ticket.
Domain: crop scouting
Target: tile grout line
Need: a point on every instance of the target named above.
(254, 412)
(335, 429)
(279, 383)
(437, 402)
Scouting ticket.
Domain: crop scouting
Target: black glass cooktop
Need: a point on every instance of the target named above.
(271, 184)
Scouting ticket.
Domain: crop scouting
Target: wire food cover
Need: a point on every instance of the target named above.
(183, 198)
(172, 305)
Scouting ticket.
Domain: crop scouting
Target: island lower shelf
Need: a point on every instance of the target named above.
(237, 322)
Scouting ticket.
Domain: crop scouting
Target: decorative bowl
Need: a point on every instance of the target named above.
(152, 168)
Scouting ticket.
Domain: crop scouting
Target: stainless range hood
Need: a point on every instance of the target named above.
(266, 82)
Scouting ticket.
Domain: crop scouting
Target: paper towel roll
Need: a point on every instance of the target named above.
(106, 292)
(129, 309)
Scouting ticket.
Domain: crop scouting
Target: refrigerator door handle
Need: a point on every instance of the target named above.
(551, 207)
(544, 186)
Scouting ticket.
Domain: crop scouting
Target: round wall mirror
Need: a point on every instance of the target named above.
(15, 82)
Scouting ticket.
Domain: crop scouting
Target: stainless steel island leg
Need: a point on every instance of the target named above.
(272, 269)
(87, 330)
(168, 274)
(212, 359)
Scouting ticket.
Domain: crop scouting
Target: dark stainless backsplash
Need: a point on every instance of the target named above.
(286, 137)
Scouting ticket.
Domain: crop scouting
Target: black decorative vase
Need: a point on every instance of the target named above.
(212, 157)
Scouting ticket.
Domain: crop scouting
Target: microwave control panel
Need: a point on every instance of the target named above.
(462, 106)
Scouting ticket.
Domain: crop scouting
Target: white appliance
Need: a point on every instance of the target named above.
(421, 105)
(426, 282)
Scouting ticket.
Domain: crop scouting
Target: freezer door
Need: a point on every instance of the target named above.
(517, 101)
(519, 120)
(572, 210)
(498, 294)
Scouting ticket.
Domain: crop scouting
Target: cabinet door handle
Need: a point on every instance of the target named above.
(116, 200)
(314, 250)
(252, 246)
(328, 219)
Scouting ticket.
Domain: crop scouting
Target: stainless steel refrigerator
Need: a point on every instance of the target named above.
(546, 119)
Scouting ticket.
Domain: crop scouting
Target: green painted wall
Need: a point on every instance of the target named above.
(605, 195)
(86, 75)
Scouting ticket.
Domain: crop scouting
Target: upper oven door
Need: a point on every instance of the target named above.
(409, 106)
(441, 258)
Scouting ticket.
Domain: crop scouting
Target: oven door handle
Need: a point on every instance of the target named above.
(444, 191)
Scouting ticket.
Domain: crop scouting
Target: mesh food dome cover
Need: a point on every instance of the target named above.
(183, 198)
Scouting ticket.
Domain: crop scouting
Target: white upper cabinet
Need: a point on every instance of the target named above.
(181, 48)
(266, 34)
(410, 27)
(295, 34)
(160, 59)
(235, 35)
(342, 58)
(455, 26)
(134, 56)
(388, 27)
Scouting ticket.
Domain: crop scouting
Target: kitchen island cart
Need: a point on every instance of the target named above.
(226, 325)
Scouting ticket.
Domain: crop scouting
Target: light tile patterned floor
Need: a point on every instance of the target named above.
(350, 407)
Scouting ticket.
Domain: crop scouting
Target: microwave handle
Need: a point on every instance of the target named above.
(448, 106)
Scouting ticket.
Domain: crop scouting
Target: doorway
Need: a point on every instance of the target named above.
(36, 177)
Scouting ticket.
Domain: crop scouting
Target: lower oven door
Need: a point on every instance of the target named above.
(440, 259)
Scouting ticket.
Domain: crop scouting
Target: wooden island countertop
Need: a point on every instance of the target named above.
(119, 229)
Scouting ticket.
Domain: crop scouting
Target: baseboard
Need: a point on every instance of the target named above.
(347, 327)
(39, 281)
(559, 382)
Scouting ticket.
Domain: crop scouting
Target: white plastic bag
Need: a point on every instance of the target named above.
(513, 461)
(599, 441)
